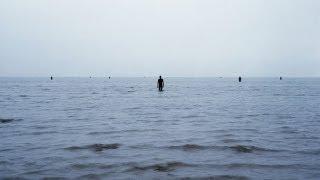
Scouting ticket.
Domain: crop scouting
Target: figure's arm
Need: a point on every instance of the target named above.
(162, 83)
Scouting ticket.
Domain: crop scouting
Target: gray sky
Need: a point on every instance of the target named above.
(168, 37)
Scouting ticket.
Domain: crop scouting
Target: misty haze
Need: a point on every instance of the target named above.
(160, 89)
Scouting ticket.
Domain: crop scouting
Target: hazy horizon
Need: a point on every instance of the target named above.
(156, 76)
(179, 38)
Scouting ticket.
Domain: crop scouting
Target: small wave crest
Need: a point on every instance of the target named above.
(94, 147)
(7, 120)
(189, 147)
(218, 177)
(250, 149)
(191, 116)
(43, 132)
(91, 165)
(122, 131)
(237, 148)
(161, 167)
(230, 140)
(245, 149)
(45, 89)
(266, 166)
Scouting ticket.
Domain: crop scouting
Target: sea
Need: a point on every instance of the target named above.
(124, 128)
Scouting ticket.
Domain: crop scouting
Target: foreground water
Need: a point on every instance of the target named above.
(123, 128)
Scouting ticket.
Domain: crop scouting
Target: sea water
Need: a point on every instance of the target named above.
(123, 128)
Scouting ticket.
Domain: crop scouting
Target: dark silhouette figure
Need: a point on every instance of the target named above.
(51, 78)
(280, 78)
(240, 78)
(160, 83)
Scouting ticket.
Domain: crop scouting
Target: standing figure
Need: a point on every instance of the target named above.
(240, 78)
(51, 77)
(160, 83)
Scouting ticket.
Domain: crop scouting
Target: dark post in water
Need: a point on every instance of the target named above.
(160, 83)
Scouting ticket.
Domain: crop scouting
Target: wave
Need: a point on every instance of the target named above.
(133, 108)
(245, 149)
(273, 166)
(101, 132)
(161, 167)
(259, 166)
(230, 140)
(43, 132)
(172, 166)
(92, 165)
(122, 131)
(5, 163)
(55, 177)
(250, 149)
(253, 115)
(142, 146)
(7, 120)
(190, 147)
(218, 177)
(285, 116)
(277, 94)
(90, 176)
(312, 152)
(239, 117)
(95, 147)
(192, 116)
(237, 148)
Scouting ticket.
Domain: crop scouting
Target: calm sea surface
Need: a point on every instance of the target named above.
(123, 128)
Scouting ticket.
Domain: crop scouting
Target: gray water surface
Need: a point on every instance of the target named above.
(122, 128)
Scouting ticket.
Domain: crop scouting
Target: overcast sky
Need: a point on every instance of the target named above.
(168, 37)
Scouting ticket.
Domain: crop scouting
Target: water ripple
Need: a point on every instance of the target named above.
(237, 148)
(94, 147)
(162, 167)
(217, 177)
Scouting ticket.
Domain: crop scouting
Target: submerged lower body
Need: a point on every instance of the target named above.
(160, 88)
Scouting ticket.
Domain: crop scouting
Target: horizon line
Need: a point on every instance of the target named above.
(158, 76)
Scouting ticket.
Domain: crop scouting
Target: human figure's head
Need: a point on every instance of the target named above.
(160, 77)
